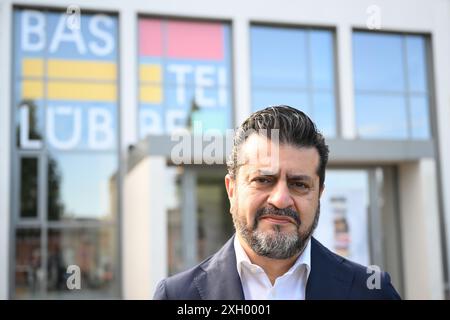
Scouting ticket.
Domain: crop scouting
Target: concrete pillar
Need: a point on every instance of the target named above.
(346, 91)
(144, 228)
(241, 69)
(419, 218)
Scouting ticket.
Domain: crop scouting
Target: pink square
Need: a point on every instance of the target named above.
(150, 37)
(195, 40)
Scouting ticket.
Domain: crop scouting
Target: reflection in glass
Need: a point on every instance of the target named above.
(151, 120)
(381, 116)
(210, 105)
(264, 98)
(417, 69)
(390, 72)
(322, 59)
(82, 186)
(92, 250)
(297, 69)
(378, 61)
(28, 271)
(420, 125)
(28, 187)
(283, 63)
(325, 113)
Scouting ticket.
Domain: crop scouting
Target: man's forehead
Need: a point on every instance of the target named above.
(260, 150)
(257, 142)
(288, 167)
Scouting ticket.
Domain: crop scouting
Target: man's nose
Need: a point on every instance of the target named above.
(280, 196)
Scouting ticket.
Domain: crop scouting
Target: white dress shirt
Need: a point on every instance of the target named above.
(256, 283)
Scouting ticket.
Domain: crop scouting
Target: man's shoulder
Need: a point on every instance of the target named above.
(366, 282)
(195, 284)
(181, 285)
(370, 282)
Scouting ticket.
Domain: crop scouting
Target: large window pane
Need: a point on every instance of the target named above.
(93, 251)
(391, 92)
(378, 62)
(184, 75)
(283, 63)
(66, 85)
(66, 110)
(70, 197)
(294, 66)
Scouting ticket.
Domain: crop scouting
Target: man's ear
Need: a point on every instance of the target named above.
(230, 186)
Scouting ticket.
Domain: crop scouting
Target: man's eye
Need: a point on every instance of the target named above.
(300, 185)
(262, 180)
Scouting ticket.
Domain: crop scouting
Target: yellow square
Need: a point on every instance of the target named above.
(150, 94)
(32, 89)
(150, 73)
(32, 67)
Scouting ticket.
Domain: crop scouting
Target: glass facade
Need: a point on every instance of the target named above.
(295, 66)
(65, 102)
(65, 106)
(184, 76)
(391, 87)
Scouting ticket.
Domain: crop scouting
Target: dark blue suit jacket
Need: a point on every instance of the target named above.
(331, 277)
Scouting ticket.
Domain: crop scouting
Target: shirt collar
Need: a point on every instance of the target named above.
(242, 258)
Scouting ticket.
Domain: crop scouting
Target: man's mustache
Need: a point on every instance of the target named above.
(272, 211)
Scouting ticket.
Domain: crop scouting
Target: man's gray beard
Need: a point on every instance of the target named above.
(275, 244)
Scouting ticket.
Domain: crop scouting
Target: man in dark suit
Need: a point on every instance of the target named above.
(276, 175)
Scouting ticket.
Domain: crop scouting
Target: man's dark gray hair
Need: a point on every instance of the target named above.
(294, 128)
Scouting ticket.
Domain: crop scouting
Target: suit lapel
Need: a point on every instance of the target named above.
(330, 278)
(220, 279)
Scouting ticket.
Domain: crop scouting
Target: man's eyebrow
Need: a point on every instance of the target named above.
(267, 172)
(303, 177)
(263, 172)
